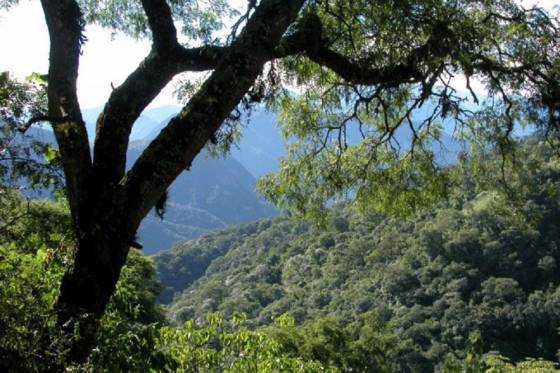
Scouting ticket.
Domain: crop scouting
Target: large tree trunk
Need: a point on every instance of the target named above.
(85, 290)
(87, 286)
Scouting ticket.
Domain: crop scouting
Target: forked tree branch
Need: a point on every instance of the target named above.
(42, 118)
(127, 102)
(413, 68)
(178, 144)
(166, 59)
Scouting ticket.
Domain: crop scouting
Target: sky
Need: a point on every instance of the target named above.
(107, 59)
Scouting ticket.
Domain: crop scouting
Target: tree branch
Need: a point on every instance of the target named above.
(357, 74)
(65, 24)
(41, 118)
(177, 145)
(166, 59)
(308, 40)
(127, 102)
(164, 33)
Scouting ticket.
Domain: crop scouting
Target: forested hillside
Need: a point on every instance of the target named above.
(134, 335)
(484, 262)
(433, 291)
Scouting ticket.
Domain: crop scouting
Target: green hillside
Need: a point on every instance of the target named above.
(479, 263)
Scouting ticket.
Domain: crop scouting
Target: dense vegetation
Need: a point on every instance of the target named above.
(484, 262)
(34, 251)
(437, 290)
(134, 335)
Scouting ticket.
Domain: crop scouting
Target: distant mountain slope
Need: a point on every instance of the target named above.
(219, 192)
(258, 150)
(186, 262)
(143, 126)
(261, 144)
(161, 113)
(438, 278)
(23, 154)
(214, 193)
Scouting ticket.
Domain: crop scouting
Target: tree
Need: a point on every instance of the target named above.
(364, 62)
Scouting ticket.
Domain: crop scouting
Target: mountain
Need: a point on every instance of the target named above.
(143, 126)
(161, 113)
(213, 194)
(22, 161)
(258, 150)
(260, 146)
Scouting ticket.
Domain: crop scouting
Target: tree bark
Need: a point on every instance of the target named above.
(186, 134)
(86, 289)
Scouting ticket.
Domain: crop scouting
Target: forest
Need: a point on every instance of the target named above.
(468, 285)
(480, 267)
(405, 216)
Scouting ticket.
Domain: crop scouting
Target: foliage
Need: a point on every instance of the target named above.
(361, 346)
(133, 335)
(33, 255)
(367, 294)
(24, 159)
(387, 145)
(485, 261)
(33, 252)
(499, 364)
(129, 328)
(186, 263)
(200, 21)
(477, 362)
(374, 65)
(225, 347)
